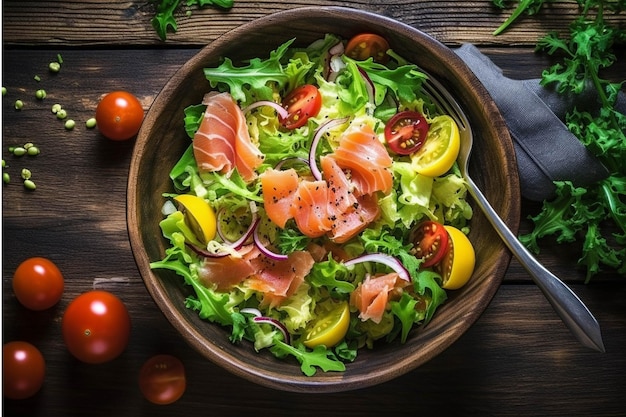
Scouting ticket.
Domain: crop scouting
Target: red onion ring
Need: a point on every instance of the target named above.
(369, 86)
(316, 139)
(282, 113)
(275, 323)
(382, 258)
(264, 250)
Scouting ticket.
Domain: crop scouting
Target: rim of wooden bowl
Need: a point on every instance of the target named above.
(157, 146)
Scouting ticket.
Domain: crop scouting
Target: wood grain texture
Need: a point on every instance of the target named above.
(102, 22)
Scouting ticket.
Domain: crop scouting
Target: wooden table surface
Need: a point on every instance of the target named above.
(518, 359)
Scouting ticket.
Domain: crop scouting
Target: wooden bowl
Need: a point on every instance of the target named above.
(162, 140)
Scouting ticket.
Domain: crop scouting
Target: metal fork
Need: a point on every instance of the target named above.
(567, 305)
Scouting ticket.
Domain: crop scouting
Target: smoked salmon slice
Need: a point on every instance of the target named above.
(371, 296)
(277, 280)
(365, 156)
(279, 190)
(350, 223)
(310, 208)
(222, 141)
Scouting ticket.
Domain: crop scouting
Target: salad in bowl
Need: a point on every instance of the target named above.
(317, 210)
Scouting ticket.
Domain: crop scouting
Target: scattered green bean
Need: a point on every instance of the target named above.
(37, 78)
(29, 184)
(19, 151)
(26, 174)
(19, 104)
(54, 67)
(61, 114)
(59, 58)
(40, 94)
(33, 151)
(69, 124)
(56, 107)
(6, 177)
(91, 123)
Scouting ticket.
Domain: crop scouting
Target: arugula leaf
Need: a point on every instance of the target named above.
(319, 357)
(164, 20)
(251, 82)
(529, 7)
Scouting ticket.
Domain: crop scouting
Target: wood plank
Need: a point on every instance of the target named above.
(121, 22)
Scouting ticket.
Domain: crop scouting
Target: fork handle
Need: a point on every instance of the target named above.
(565, 302)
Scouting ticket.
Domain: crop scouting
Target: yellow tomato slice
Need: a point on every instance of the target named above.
(331, 326)
(457, 266)
(199, 216)
(440, 149)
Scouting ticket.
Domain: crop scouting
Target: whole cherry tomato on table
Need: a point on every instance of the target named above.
(162, 379)
(96, 327)
(119, 115)
(23, 370)
(38, 283)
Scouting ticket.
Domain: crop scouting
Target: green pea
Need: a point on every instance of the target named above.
(19, 151)
(54, 67)
(61, 114)
(4, 91)
(40, 94)
(26, 174)
(69, 124)
(37, 78)
(6, 177)
(56, 107)
(91, 123)
(33, 150)
(29, 184)
(4, 164)
(19, 104)
(28, 145)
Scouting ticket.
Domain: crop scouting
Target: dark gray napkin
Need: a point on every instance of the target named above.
(546, 150)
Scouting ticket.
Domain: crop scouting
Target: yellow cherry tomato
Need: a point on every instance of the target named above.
(457, 266)
(440, 149)
(331, 326)
(199, 215)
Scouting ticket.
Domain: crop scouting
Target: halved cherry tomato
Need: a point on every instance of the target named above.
(366, 45)
(406, 132)
(162, 379)
(23, 370)
(441, 148)
(38, 283)
(96, 327)
(119, 115)
(331, 326)
(457, 267)
(431, 242)
(301, 103)
(199, 215)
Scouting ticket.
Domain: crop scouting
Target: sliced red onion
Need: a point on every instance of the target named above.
(282, 112)
(264, 250)
(369, 86)
(316, 139)
(275, 323)
(250, 310)
(382, 258)
(280, 164)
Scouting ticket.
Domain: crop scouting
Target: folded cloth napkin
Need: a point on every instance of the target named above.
(546, 150)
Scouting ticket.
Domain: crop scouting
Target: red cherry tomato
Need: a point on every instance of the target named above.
(38, 283)
(406, 132)
(366, 45)
(162, 379)
(301, 103)
(431, 242)
(96, 327)
(119, 115)
(23, 370)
